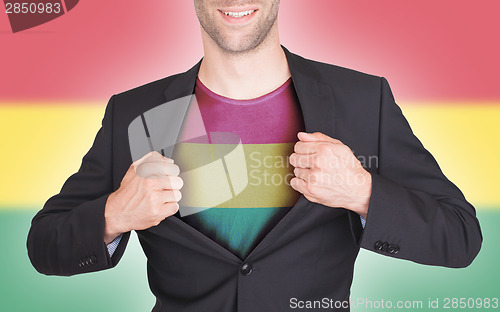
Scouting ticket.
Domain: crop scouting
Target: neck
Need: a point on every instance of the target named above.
(245, 75)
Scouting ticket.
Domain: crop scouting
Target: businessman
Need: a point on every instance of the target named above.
(297, 238)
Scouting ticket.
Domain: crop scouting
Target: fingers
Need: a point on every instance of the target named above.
(163, 184)
(303, 161)
(298, 184)
(312, 147)
(157, 169)
(171, 196)
(301, 186)
(171, 208)
(302, 147)
(152, 156)
(313, 177)
(316, 137)
(303, 174)
(171, 183)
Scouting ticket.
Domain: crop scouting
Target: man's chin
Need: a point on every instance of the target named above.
(239, 45)
(238, 50)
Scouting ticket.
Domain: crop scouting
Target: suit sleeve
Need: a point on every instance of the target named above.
(415, 212)
(67, 236)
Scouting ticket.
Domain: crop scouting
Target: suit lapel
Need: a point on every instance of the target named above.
(318, 109)
(315, 98)
(183, 84)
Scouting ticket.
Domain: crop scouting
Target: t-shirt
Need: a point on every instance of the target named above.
(250, 141)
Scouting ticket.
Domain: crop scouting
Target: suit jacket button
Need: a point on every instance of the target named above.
(396, 249)
(378, 245)
(246, 269)
(390, 249)
(384, 246)
(93, 260)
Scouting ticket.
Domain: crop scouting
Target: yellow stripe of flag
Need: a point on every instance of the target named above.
(43, 144)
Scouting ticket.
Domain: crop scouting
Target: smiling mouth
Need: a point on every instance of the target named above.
(239, 14)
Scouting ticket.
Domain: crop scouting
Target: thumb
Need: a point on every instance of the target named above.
(316, 137)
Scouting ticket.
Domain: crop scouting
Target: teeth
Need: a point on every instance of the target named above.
(239, 14)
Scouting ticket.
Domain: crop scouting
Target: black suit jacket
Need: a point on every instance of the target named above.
(415, 212)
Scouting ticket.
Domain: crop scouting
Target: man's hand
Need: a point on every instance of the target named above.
(327, 172)
(148, 193)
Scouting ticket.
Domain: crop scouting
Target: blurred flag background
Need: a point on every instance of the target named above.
(440, 57)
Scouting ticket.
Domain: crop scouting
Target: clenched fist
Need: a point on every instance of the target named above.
(148, 193)
(327, 172)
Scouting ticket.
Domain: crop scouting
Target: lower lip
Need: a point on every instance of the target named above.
(237, 20)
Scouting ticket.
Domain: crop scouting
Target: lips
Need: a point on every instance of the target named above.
(37, 12)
